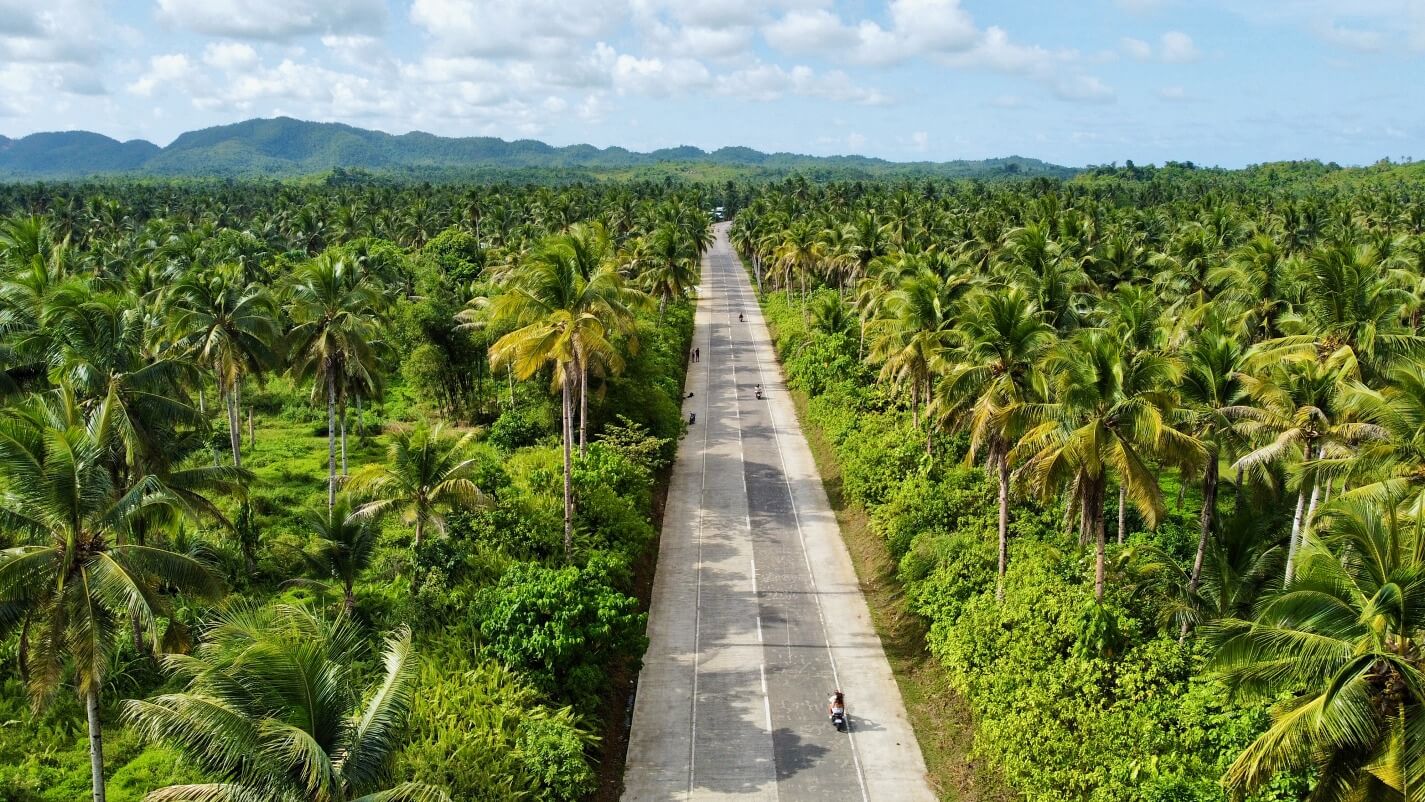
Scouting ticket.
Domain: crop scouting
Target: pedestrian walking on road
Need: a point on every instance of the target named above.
(697, 354)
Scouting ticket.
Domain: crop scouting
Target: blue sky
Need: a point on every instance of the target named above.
(1226, 82)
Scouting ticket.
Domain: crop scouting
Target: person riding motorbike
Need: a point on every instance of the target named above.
(836, 705)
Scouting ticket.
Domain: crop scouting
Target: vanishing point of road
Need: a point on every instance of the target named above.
(756, 615)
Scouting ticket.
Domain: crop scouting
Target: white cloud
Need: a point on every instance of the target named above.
(229, 55)
(273, 19)
(656, 77)
(920, 140)
(1173, 94)
(514, 28)
(918, 27)
(769, 82)
(1178, 48)
(1137, 49)
(163, 71)
(1357, 39)
(1082, 89)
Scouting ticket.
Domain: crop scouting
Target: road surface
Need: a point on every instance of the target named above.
(756, 614)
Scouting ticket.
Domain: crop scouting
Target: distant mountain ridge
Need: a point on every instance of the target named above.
(285, 147)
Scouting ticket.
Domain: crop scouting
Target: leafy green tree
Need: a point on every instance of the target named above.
(561, 626)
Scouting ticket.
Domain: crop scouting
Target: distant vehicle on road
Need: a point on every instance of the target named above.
(718, 212)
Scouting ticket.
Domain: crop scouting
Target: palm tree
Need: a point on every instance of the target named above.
(1110, 414)
(564, 320)
(1210, 386)
(426, 475)
(346, 544)
(1388, 461)
(668, 265)
(70, 589)
(1338, 649)
(999, 342)
(274, 709)
(229, 326)
(914, 329)
(1296, 409)
(333, 307)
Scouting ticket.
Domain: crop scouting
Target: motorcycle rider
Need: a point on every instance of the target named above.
(837, 704)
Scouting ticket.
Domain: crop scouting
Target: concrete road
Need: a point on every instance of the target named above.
(756, 615)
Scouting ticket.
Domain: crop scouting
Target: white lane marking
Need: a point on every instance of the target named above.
(742, 448)
(801, 535)
(698, 571)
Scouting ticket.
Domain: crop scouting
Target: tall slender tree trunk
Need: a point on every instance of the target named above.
(234, 426)
(568, 470)
(1003, 471)
(583, 407)
(1295, 541)
(510, 373)
(251, 430)
(1315, 498)
(342, 424)
(1095, 508)
(331, 440)
(96, 743)
(1122, 510)
(420, 529)
(1209, 514)
(360, 419)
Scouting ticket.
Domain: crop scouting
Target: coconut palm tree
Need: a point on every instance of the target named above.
(993, 375)
(72, 586)
(229, 326)
(667, 265)
(345, 545)
(1211, 385)
(333, 308)
(274, 709)
(913, 330)
(426, 474)
(563, 320)
(1296, 414)
(1109, 415)
(1338, 651)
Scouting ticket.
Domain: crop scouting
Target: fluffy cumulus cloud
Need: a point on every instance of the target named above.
(1178, 48)
(273, 19)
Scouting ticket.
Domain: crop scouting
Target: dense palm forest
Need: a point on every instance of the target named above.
(1146, 447)
(330, 491)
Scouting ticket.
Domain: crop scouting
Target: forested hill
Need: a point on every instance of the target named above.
(288, 147)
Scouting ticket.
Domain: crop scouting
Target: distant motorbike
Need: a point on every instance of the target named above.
(837, 711)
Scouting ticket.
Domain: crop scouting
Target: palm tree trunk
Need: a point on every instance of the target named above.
(568, 471)
(343, 441)
(510, 373)
(234, 426)
(1100, 542)
(1003, 471)
(1315, 497)
(96, 742)
(1122, 509)
(420, 529)
(583, 407)
(360, 419)
(251, 430)
(1209, 512)
(1295, 541)
(331, 440)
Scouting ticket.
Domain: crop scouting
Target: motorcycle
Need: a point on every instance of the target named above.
(837, 711)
